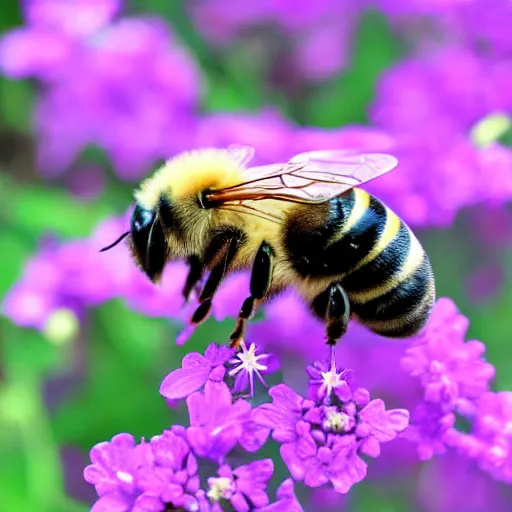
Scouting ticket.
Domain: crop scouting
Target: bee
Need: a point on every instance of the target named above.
(304, 224)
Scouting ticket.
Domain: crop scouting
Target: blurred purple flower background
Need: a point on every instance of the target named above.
(94, 95)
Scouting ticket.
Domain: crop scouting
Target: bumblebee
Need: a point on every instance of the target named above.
(304, 224)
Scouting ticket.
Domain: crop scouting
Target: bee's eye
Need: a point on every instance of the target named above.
(142, 218)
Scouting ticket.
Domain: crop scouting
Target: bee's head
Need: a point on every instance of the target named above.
(147, 241)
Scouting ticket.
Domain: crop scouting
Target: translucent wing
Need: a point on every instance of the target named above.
(242, 154)
(313, 177)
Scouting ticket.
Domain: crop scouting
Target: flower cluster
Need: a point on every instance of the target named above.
(445, 135)
(299, 35)
(162, 475)
(72, 276)
(455, 381)
(123, 84)
(322, 439)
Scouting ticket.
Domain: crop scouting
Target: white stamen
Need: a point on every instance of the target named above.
(331, 379)
(249, 361)
(336, 421)
(220, 488)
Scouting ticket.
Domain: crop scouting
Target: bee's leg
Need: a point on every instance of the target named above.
(261, 279)
(228, 248)
(194, 276)
(332, 305)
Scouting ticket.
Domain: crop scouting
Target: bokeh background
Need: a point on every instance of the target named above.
(95, 94)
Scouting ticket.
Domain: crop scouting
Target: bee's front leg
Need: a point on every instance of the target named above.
(261, 280)
(223, 248)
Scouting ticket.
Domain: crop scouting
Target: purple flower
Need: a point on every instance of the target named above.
(75, 275)
(450, 369)
(163, 475)
(323, 379)
(321, 441)
(453, 376)
(115, 468)
(219, 363)
(129, 82)
(431, 105)
(430, 429)
(218, 424)
(490, 441)
(243, 487)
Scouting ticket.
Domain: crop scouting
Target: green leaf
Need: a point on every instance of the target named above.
(345, 99)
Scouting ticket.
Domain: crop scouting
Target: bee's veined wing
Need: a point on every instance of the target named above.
(242, 154)
(313, 177)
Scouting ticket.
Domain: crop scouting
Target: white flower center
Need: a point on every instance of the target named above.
(220, 488)
(249, 360)
(336, 421)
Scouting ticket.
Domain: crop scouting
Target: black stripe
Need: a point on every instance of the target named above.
(344, 254)
(307, 234)
(411, 325)
(403, 299)
(386, 264)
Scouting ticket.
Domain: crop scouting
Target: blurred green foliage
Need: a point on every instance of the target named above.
(109, 375)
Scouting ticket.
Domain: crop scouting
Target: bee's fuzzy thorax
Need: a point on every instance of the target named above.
(190, 173)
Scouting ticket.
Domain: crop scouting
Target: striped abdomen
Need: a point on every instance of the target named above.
(374, 255)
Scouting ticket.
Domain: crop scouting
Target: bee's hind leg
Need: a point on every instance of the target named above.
(261, 280)
(333, 307)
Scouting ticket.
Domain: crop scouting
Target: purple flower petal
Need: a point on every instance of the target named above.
(181, 383)
(283, 412)
(293, 462)
(112, 503)
(148, 503)
(384, 425)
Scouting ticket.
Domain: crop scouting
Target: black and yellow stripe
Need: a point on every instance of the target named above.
(375, 257)
(391, 286)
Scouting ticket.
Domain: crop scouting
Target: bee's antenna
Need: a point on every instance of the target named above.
(122, 237)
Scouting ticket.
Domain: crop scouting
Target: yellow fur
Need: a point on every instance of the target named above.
(188, 174)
